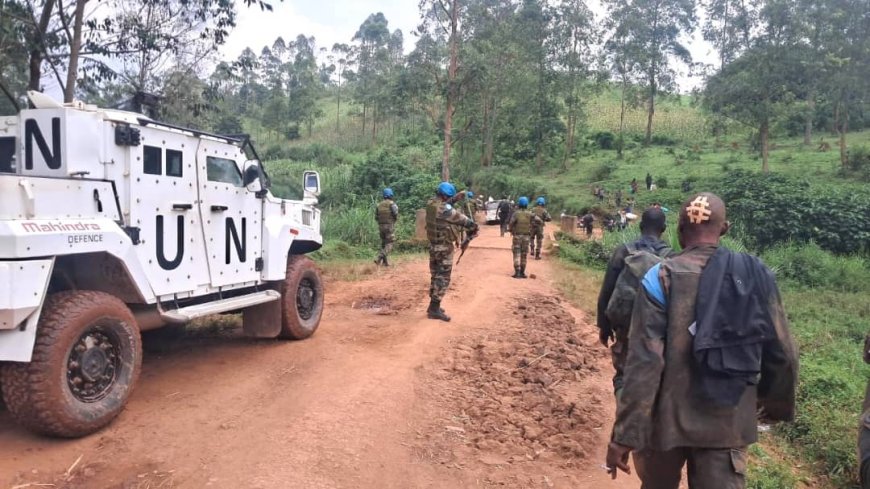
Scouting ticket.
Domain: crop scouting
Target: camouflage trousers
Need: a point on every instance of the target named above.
(707, 468)
(537, 240)
(387, 239)
(440, 267)
(520, 249)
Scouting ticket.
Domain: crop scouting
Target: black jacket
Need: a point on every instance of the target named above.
(732, 324)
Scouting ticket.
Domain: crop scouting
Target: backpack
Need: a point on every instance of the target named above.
(638, 261)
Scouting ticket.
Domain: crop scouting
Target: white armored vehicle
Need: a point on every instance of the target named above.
(112, 224)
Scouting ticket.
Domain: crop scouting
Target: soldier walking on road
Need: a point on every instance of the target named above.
(521, 225)
(709, 345)
(616, 299)
(386, 213)
(439, 217)
(504, 214)
(540, 211)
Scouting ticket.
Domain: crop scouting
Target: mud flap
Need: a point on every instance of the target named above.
(263, 320)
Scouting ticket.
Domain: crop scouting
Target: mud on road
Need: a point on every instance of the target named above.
(514, 392)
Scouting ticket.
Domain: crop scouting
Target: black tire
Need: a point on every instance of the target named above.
(85, 363)
(301, 298)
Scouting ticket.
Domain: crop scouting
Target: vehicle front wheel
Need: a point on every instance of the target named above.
(85, 363)
(301, 298)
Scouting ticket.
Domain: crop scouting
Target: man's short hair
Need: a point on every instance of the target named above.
(653, 219)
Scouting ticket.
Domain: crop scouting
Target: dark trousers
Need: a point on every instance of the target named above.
(708, 468)
(504, 225)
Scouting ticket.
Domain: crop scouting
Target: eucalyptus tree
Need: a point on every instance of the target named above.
(649, 34)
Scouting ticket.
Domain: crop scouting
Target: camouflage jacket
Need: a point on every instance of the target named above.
(658, 407)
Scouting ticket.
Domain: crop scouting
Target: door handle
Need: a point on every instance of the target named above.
(182, 207)
(219, 208)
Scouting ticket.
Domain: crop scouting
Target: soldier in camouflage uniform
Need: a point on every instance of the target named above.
(386, 213)
(864, 436)
(440, 216)
(539, 211)
(521, 225)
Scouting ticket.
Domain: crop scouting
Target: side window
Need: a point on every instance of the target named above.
(174, 163)
(153, 160)
(223, 170)
(7, 155)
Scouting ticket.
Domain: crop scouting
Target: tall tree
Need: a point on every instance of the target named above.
(574, 41)
(446, 14)
(651, 31)
(755, 89)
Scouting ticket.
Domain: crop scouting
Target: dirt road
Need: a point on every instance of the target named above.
(512, 393)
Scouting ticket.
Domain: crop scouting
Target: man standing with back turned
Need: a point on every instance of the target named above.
(709, 345)
(439, 217)
(386, 213)
(540, 211)
(614, 326)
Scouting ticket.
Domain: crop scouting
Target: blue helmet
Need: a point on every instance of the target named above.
(523, 202)
(541, 201)
(469, 194)
(446, 189)
(388, 193)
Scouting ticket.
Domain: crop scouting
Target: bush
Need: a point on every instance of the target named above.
(660, 140)
(809, 266)
(604, 139)
(661, 182)
(773, 209)
(859, 164)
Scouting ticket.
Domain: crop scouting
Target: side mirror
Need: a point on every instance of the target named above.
(311, 184)
(251, 174)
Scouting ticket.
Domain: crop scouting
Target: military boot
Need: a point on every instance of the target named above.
(537, 254)
(516, 272)
(523, 272)
(435, 312)
(385, 261)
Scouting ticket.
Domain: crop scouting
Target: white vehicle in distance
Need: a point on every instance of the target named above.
(111, 224)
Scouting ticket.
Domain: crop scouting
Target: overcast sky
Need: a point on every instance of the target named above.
(329, 21)
(332, 21)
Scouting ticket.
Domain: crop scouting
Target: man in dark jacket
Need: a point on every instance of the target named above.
(504, 214)
(661, 416)
(652, 225)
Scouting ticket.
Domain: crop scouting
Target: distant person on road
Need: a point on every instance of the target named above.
(540, 211)
(440, 216)
(386, 213)
(709, 353)
(649, 181)
(504, 214)
(521, 226)
(614, 313)
(587, 221)
(633, 185)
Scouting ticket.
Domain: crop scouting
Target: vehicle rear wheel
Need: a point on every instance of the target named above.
(85, 363)
(301, 298)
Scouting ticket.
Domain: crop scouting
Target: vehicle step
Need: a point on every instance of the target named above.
(186, 314)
